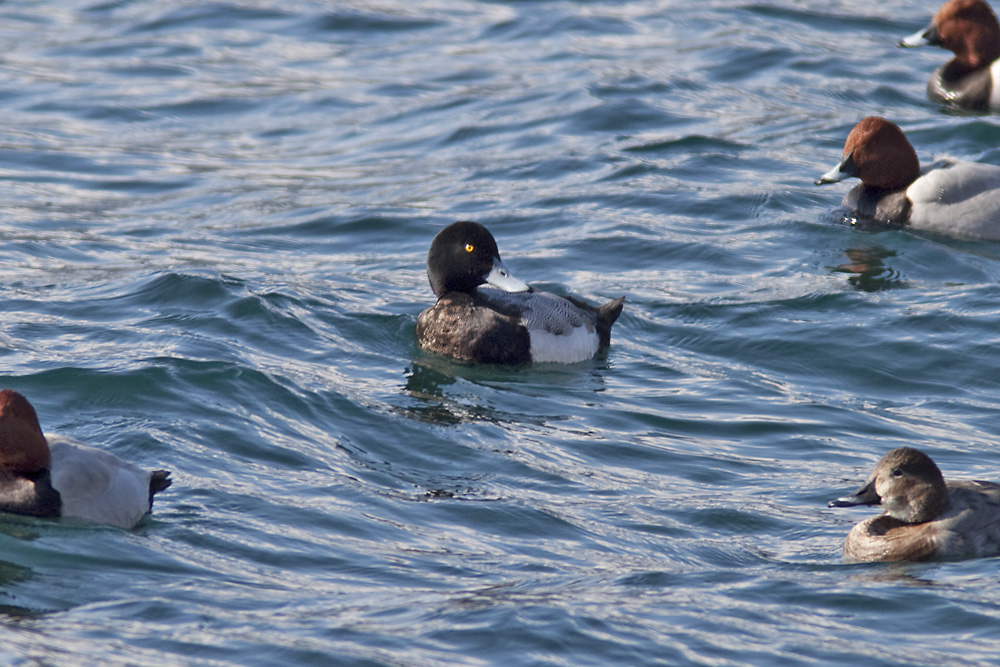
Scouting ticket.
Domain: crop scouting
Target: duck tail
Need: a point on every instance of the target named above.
(607, 315)
(158, 480)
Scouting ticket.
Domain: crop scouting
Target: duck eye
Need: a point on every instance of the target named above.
(896, 472)
(469, 247)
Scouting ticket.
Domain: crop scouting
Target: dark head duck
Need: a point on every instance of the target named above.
(484, 314)
(463, 256)
(925, 517)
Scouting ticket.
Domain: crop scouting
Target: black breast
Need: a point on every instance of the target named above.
(455, 326)
(31, 495)
(961, 87)
(882, 207)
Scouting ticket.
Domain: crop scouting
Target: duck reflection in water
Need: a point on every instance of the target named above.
(867, 269)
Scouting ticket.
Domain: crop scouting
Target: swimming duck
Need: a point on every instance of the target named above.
(59, 477)
(924, 516)
(969, 29)
(948, 197)
(484, 314)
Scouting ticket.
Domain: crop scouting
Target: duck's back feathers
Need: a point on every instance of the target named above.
(537, 311)
(561, 329)
(950, 181)
(988, 492)
(975, 526)
(957, 197)
(97, 486)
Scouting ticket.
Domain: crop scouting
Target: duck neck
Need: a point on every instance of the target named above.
(928, 505)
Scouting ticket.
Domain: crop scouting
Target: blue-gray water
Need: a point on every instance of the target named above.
(213, 225)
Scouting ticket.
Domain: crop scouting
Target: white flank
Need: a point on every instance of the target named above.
(578, 345)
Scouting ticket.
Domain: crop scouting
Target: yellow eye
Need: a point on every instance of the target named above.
(469, 247)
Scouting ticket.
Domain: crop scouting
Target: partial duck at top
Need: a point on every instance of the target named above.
(970, 30)
(947, 197)
(925, 517)
(483, 314)
(58, 477)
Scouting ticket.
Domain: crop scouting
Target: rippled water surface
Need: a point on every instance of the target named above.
(214, 222)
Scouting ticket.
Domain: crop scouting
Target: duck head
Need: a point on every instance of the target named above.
(23, 449)
(906, 483)
(877, 152)
(967, 28)
(463, 256)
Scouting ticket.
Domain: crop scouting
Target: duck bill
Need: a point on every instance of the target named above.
(846, 168)
(926, 37)
(866, 495)
(500, 277)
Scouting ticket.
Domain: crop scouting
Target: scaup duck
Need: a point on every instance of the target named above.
(59, 477)
(948, 197)
(484, 314)
(970, 80)
(925, 517)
